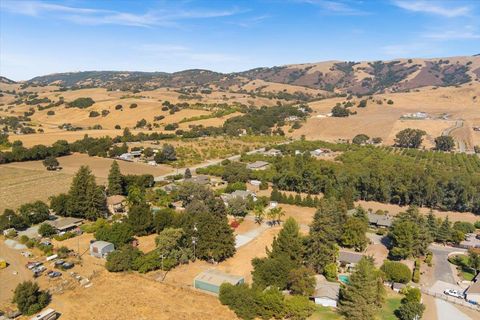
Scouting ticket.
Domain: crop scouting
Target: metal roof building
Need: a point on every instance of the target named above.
(212, 279)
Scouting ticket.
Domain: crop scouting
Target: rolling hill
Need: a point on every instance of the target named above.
(331, 76)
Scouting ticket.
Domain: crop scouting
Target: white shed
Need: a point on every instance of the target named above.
(101, 249)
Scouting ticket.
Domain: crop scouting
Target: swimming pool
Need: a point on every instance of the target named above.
(343, 278)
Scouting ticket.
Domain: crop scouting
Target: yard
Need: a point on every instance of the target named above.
(462, 263)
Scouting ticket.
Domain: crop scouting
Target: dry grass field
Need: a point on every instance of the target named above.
(384, 120)
(22, 185)
(24, 182)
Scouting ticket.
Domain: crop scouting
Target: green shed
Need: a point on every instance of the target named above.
(212, 279)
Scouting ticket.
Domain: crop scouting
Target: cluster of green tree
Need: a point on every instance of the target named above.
(370, 173)
(411, 233)
(340, 111)
(170, 251)
(282, 197)
(411, 307)
(253, 303)
(409, 138)
(81, 103)
(29, 298)
(281, 269)
(127, 136)
(261, 120)
(200, 231)
(27, 215)
(167, 154)
(119, 184)
(37, 152)
(85, 198)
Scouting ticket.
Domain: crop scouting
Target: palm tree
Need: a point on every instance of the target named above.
(280, 214)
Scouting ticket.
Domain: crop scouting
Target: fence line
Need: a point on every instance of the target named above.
(451, 299)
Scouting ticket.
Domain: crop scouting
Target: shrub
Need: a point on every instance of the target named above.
(390, 101)
(330, 272)
(263, 185)
(93, 114)
(123, 259)
(396, 271)
(50, 113)
(46, 230)
(477, 224)
(118, 107)
(63, 252)
(133, 106)
(117, 126)
(29, 298)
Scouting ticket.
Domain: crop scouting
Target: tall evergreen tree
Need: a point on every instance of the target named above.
(362, 297)
(115, 179)
(86, 199)
(188, 173)
(289, 243)
(445, 231)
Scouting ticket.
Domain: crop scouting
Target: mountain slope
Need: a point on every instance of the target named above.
(334, 76)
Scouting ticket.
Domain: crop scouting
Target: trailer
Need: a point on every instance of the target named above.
(48, 314)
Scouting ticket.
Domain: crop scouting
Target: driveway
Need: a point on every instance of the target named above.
(447, 311)
(442, 269)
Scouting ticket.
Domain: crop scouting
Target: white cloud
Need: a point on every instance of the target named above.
(417, 49)
(433, 7)
(452, 35)
(90, 16)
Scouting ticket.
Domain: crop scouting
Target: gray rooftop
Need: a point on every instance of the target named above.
(257, 164)
(326, 289)
(349, 257)
(65, 223)
(380, 220)
(217, 277)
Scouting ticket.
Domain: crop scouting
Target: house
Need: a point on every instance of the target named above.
(349, 259)
(65, 224)
(258, 165)
(244, 194)
(116, 204)
(212, 279)
(326, 293)
(201, 180)
(396, 286)
(379, 220)
(100, 249)
(48, 314)
(126, 157)
(472, 294)
(273, 153)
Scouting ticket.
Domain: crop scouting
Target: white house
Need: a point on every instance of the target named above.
(326, 293)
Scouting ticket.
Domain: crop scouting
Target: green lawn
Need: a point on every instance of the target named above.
(325, 313)
(467, 275)
(387, 313)
(391, 304)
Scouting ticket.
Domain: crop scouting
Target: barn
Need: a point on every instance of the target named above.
(100, 249)
(212, 279)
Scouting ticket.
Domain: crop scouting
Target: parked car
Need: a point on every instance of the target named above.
(58, 263)
(67, 265)
(32, 265)
(53, 274)
(39, 269)
(454, 293)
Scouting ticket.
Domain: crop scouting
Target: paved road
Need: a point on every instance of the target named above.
(447, 311)
(441, 267)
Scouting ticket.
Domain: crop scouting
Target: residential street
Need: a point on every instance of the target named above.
(447, 311)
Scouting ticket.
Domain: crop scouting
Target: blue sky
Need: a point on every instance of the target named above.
(42, 37)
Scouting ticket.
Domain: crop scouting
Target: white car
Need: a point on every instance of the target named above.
(454, 293)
